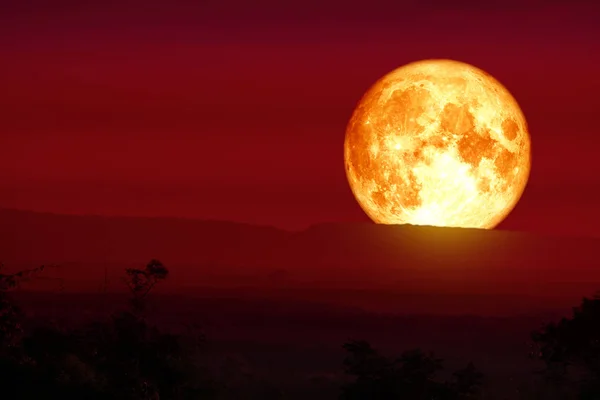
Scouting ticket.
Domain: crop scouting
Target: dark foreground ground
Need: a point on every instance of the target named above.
(296, 346)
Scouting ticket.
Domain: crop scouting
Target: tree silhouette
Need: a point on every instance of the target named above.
(10, 314)
(412, 376)
(137, 359)
(125, 357)
(142, 281)
(570, 349)
(122, 358)
(19, 373)
(468, 381)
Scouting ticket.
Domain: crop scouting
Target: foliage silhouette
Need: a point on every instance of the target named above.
(468, 382)
(141, 281)
(570, 350)
(122, 358)
(126, 357)
(411, 376)
(10, 314)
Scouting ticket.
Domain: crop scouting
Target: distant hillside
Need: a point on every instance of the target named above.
(51, 238)
(453, 260)
(381, 267)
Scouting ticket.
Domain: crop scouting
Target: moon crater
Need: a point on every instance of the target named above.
(437, 142)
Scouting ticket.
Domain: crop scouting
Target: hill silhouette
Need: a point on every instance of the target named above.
(431, 254)
(45, 237)
(357, 264)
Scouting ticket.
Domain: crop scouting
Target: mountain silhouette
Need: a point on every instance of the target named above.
(332, 260)
(46, 237)
(389, 254)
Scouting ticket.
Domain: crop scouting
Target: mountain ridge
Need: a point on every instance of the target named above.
(328, 256)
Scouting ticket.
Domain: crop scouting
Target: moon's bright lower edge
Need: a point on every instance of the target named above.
(438, 142)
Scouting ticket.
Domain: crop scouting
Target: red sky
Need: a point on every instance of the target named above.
(236, 110)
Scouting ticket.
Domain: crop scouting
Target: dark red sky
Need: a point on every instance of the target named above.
(236, 109)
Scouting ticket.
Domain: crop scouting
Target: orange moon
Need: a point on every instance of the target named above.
(440, 143)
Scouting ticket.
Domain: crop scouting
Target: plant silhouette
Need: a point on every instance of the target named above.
(10, 314)
(468, 382)
(570, 350)
(141, 281)
(122, 358)
(411, 376)
(125, 357)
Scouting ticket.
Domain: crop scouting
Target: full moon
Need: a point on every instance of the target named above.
(440, 143)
